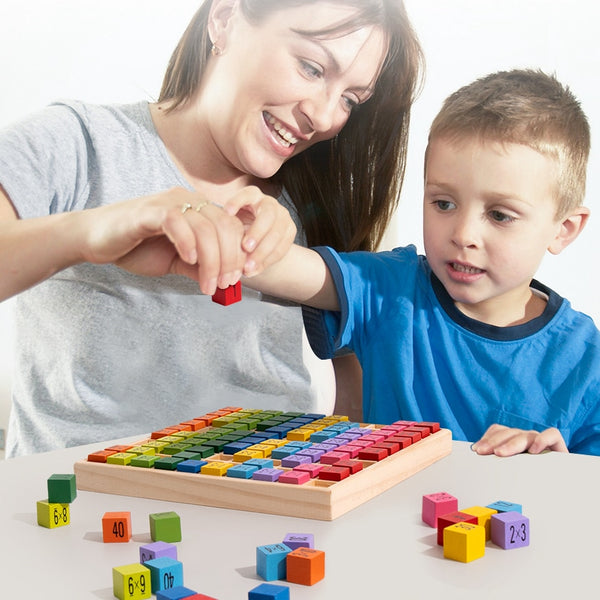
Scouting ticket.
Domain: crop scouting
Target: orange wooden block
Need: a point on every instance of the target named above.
(305, 566)
(116, 527)
(101, 455)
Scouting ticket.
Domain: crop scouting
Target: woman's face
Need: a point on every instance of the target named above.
(273, 91)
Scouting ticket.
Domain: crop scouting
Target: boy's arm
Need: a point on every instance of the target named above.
(507, 441)
(301, 276)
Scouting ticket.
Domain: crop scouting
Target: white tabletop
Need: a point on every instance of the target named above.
(380, 550)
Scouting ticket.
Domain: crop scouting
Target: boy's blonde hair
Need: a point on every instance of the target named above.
(525, 107)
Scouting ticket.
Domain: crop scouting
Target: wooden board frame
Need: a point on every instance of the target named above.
(316, 499)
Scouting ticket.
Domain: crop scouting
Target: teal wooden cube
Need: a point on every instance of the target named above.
(62, 489)
(165, 573)
(165, 527)
(271, 561)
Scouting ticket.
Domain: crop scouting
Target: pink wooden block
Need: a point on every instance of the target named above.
(435, 505)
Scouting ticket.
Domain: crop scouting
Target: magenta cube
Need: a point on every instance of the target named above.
(437, 504)
(510, 530)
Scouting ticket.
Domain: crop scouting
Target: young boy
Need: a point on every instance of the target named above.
(465, 336)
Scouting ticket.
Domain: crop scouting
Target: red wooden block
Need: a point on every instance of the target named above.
(350, 451)
(371, 453)
(452, 518)
(423, 430)
(330, 458)
(229, 295)
(401, 440)
(334, 473)
(354, 465)
(393, 447)
(415, 436)
(433, 427)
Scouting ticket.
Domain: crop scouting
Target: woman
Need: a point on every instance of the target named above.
(308, 106)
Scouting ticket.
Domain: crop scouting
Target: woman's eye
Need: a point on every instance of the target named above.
(311, 69)
(444, 205)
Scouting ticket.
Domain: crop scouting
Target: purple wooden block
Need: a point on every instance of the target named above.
(157, 550)
(510, 530)
(267, 474)
(299, 540)
(293, 461)
(313, 454)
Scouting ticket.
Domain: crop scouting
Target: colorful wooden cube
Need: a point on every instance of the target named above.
(451, 519)
(156, 550)
(434, 505)
(116, 527)
(271, 561)
(177, 593)
(269, 591)
(229, 295)
(503, 506)
(483, 514)
(305, 566)
(299, 540)
(165, 573)
(464, 542)
(131, 582)
(62, 489)
(52, 514)
(165, 527)
(510, 530)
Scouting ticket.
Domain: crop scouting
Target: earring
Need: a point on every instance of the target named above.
(215, 50)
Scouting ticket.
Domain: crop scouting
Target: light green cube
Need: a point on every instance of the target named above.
(165, 527)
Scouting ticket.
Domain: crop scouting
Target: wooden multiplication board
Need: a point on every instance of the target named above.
(316, 499)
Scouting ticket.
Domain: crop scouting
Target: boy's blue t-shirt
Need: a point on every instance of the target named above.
(424, 360)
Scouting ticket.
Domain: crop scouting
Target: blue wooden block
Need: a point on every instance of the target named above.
(241, 471)
(502, 506)
(269, 591)
(191, 465)
(165, 573)
(176, 593)
(271, 561)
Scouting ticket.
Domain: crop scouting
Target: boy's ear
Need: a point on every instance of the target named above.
(219, 16)
(570, 227)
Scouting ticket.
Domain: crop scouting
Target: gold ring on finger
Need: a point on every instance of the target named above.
(185, 208)
(201, 205)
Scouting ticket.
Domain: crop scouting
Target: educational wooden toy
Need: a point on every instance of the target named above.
(165, 527)
(438, 504)
(305, 566)
(156, 550)
(302, 465)
(464, 541)
(52, 514)
(269, 591)
(165, 573)
(116, 527)
(229, 295)
(131, 582)
(510, 530)
(271, 561)
(62, 488)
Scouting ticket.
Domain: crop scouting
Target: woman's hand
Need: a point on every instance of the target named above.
(507, 441)
(176, 231)
(268, 226)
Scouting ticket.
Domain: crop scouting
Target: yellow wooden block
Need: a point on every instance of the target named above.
(147, 450)
(464, 542)
(276, 443)
(299, 435)
(244, 455)
(132, 582)
(217, 467)
(52, 514)
(484, 516)
(264, 448)
(156, 444)
(120, 458)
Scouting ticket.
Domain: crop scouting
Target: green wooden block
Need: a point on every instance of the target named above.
(144, 460)
(167, 463)
(62, 488)
(165, 527)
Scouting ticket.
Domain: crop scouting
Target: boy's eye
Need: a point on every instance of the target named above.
(501, 217)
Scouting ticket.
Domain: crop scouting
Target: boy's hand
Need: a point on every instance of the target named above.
(507, 441)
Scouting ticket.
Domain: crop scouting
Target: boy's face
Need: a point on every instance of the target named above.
(489, 216)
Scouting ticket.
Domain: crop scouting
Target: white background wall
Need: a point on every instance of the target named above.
(116, 51)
